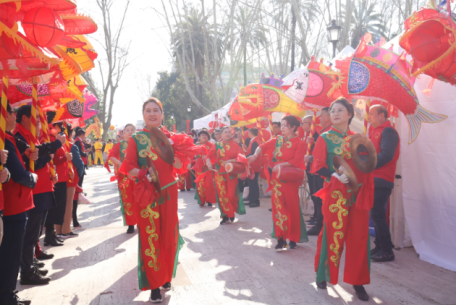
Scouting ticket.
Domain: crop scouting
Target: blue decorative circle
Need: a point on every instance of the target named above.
(358, 78)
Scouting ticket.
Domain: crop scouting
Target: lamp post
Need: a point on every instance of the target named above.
(334, 33)
(189, 108)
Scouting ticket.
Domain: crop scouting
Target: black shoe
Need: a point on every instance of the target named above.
(361, 293)
(270, 210)
(311, 222)
(225, 220)
(255, 204)
(281, 245)
(155, 296)
(321, 285)
(209, 204)
(38, 263)
(44, 255)
(245, 199)
(293, 245)
(383, 256)
(51, 240)
(167, 286)
(375, 250)
(131, 230)
(232, 219)
(34, 279)
(188, 190)
(42, 272)
(314, 231)
(20, 301)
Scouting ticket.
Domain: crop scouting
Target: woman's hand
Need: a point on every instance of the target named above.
(252, 158)
(69, 156)
(275, 169)
(3, 156)
(3, 175)
(177, 163)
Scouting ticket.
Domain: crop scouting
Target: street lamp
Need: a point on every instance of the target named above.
(172, 117)
(334, 32)
(189, 108)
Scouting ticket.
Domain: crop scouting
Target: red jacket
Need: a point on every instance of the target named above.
(60, 162)
(84, 159)
(255, 165)
(18, 197)
(388, 171)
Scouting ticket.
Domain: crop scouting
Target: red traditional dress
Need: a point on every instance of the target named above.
(156, 213)
(346, 214)
(205, 190)
(185, 181)
(227, 186)
(286, 211)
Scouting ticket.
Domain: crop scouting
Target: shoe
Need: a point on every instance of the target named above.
(311, 222)
(361, 293)
(225, 220)
(188, 190)
(42, 272)
(232, 219)
(62, 236)
(314, 231)
(209, 204)
(270, 210)
(44, 255)
(321, 285)
(255, 204)
(20, 300)
(60, 240)
(245, 199)
(38, 263)
(383, 256)
(201, 205)
(131, 230)
(78, 226)
(375, 250)
(35, 279)
(70, 235)
(281, 245)
(51, 240)
(155, 296)
(167, 286)
(293, 245)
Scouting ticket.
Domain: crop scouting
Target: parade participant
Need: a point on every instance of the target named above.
(79, 142)
(287, 151)
(107, 149)
(98, 146)
(18, 199)
(386, 143)
(317, 181)
(254, 188)
(216, 136)
(43, 196)
(276, 131)
(155, 210)
(205, 191)
(124, 182)
(346, 213)
(184, 182)
(229, 198)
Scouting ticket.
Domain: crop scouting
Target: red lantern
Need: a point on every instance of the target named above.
(112, 127)
(43, 26)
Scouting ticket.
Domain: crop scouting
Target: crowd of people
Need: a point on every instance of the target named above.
(41, 184)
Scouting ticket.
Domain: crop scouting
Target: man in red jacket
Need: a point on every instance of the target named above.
(18, 199)
(386, 143)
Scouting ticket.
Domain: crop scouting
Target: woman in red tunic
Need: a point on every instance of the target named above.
(346, 213)
(155, 209)
(229, 198)
(288, 151)
(205, 191)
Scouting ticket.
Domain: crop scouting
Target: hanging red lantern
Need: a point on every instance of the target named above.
(43, 27)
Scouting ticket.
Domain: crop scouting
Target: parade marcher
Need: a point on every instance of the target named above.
(79, 142)
(229, 197)
(241, 183)
(254, 188)
(346, 212)
(287, 151)
(155, 210)
(386, 143)
(43, 196)
(184, 182)
(317, 182)
(124, 182)
(107, 150)
(276, 131)
(216, 136)
(18, 199)
(98, 146)
(205, 190)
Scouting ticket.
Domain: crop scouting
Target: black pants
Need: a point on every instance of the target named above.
(318, 183)
(378, 217)
(241, 186)
(254, 188)
(10, 256)
(75, 204)
(56, 215)
(33, 230)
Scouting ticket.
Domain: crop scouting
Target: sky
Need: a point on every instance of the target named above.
(149, 53)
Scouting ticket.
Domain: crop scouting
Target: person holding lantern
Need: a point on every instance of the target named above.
(287, 153)
(155, 169)
(346, 212)
(205, 191)
(229, 197)
(124, 182)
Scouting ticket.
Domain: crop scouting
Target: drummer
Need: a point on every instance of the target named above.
(346, 212)
(287, 151)
(205, 187)
(229, 197)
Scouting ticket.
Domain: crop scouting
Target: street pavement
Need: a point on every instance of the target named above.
(230, 264)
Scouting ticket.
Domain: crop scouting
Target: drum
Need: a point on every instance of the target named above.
(235, 168)
(290, 174)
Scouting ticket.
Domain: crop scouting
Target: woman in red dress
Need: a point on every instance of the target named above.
(155, 209)
(205, 190)
(346, 213)
(229, 198)
(287, 150)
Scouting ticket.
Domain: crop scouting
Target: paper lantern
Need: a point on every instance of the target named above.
(43, 26)
(112, 127)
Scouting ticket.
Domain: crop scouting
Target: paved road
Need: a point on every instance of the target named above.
(232, 264)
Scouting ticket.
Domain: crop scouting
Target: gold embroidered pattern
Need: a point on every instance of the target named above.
(280, 218)
(222, 192)
(200, 188)
(149, 213)
(144, 140)
(278, 150)
(344, 149)
(126, 201)
(339, 208)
